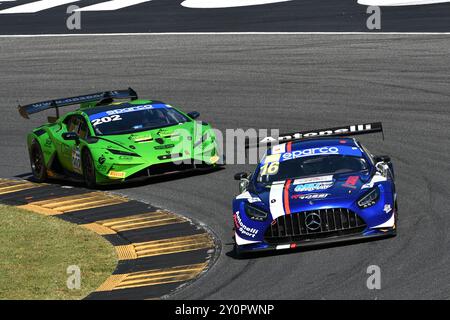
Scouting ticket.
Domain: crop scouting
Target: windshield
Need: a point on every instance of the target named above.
(310, 166)
(135, 118)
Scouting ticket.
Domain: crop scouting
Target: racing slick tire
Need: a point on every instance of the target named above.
(89, 174)
(37, 162)
(396, 217)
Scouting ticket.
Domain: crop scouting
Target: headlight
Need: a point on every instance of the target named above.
(255, 213)
(123, 153)
(369, 199)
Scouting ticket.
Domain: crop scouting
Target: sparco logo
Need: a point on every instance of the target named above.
(324, 132)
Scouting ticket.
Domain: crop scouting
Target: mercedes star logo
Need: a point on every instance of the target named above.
(313, 221)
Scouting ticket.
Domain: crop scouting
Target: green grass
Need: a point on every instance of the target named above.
(36, 250)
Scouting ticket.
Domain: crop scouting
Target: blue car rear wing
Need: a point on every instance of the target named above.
(100, 98)
(350, 130)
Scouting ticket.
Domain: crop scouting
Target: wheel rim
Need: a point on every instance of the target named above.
(37, 161)
(90, 173)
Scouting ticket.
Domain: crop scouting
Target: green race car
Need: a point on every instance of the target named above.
(115, 137)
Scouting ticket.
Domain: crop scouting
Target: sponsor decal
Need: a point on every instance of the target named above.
(313, 186)
(310, 196)
(313, 179)
(278, 149)
(102, 159)
(351, 182)
(387, 208)
(116, 174)
(76, 159)
(353, 129)
(167, 146)
(125, 158)
(128, 109)
(141, 138)
(272, 158)
(243, 229)
(309, 152)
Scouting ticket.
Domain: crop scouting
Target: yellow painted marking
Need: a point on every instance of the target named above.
(61, 201)
(99, 229)
(67, 199)
(111, 282)
(40, 210)
(145, 220)
(74, 203)
(152, 277)
(173, 245)
(10, 183)
(90, 205)
(126, 252)
(10, 186)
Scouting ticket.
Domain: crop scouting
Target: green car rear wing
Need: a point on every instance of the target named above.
(101, 98)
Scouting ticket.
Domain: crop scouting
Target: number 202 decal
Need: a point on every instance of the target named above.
(96, 122)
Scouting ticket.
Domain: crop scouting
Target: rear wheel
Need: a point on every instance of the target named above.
(37, 161)
(88, 169)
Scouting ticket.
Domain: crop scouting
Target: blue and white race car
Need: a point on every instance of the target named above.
(313, 188)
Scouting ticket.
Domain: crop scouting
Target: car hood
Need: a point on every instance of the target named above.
(320, 191)
(156, 142)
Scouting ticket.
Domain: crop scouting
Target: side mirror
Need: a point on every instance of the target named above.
(243, 178)
(241, 175)
(385, 159)
(70, 136)
(194, 114)
(51, 119)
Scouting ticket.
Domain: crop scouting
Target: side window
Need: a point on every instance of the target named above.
(72, 124)
(83, 131)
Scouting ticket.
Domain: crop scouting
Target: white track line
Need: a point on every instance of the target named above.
(36, 6)
(213, 4)
(219, 34)
(393, 3)
(112, 5)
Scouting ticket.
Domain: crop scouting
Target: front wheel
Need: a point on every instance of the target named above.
(37, 161)
(88, 169)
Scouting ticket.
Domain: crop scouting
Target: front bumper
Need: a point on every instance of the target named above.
(295, 245)
(157, 170)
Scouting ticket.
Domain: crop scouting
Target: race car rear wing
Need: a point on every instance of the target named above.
(350, 130)
(100, 97)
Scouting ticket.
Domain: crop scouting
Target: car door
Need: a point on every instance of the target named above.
(69, 150)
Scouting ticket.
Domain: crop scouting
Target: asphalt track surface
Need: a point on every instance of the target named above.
(288, 82)
(169, 16)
